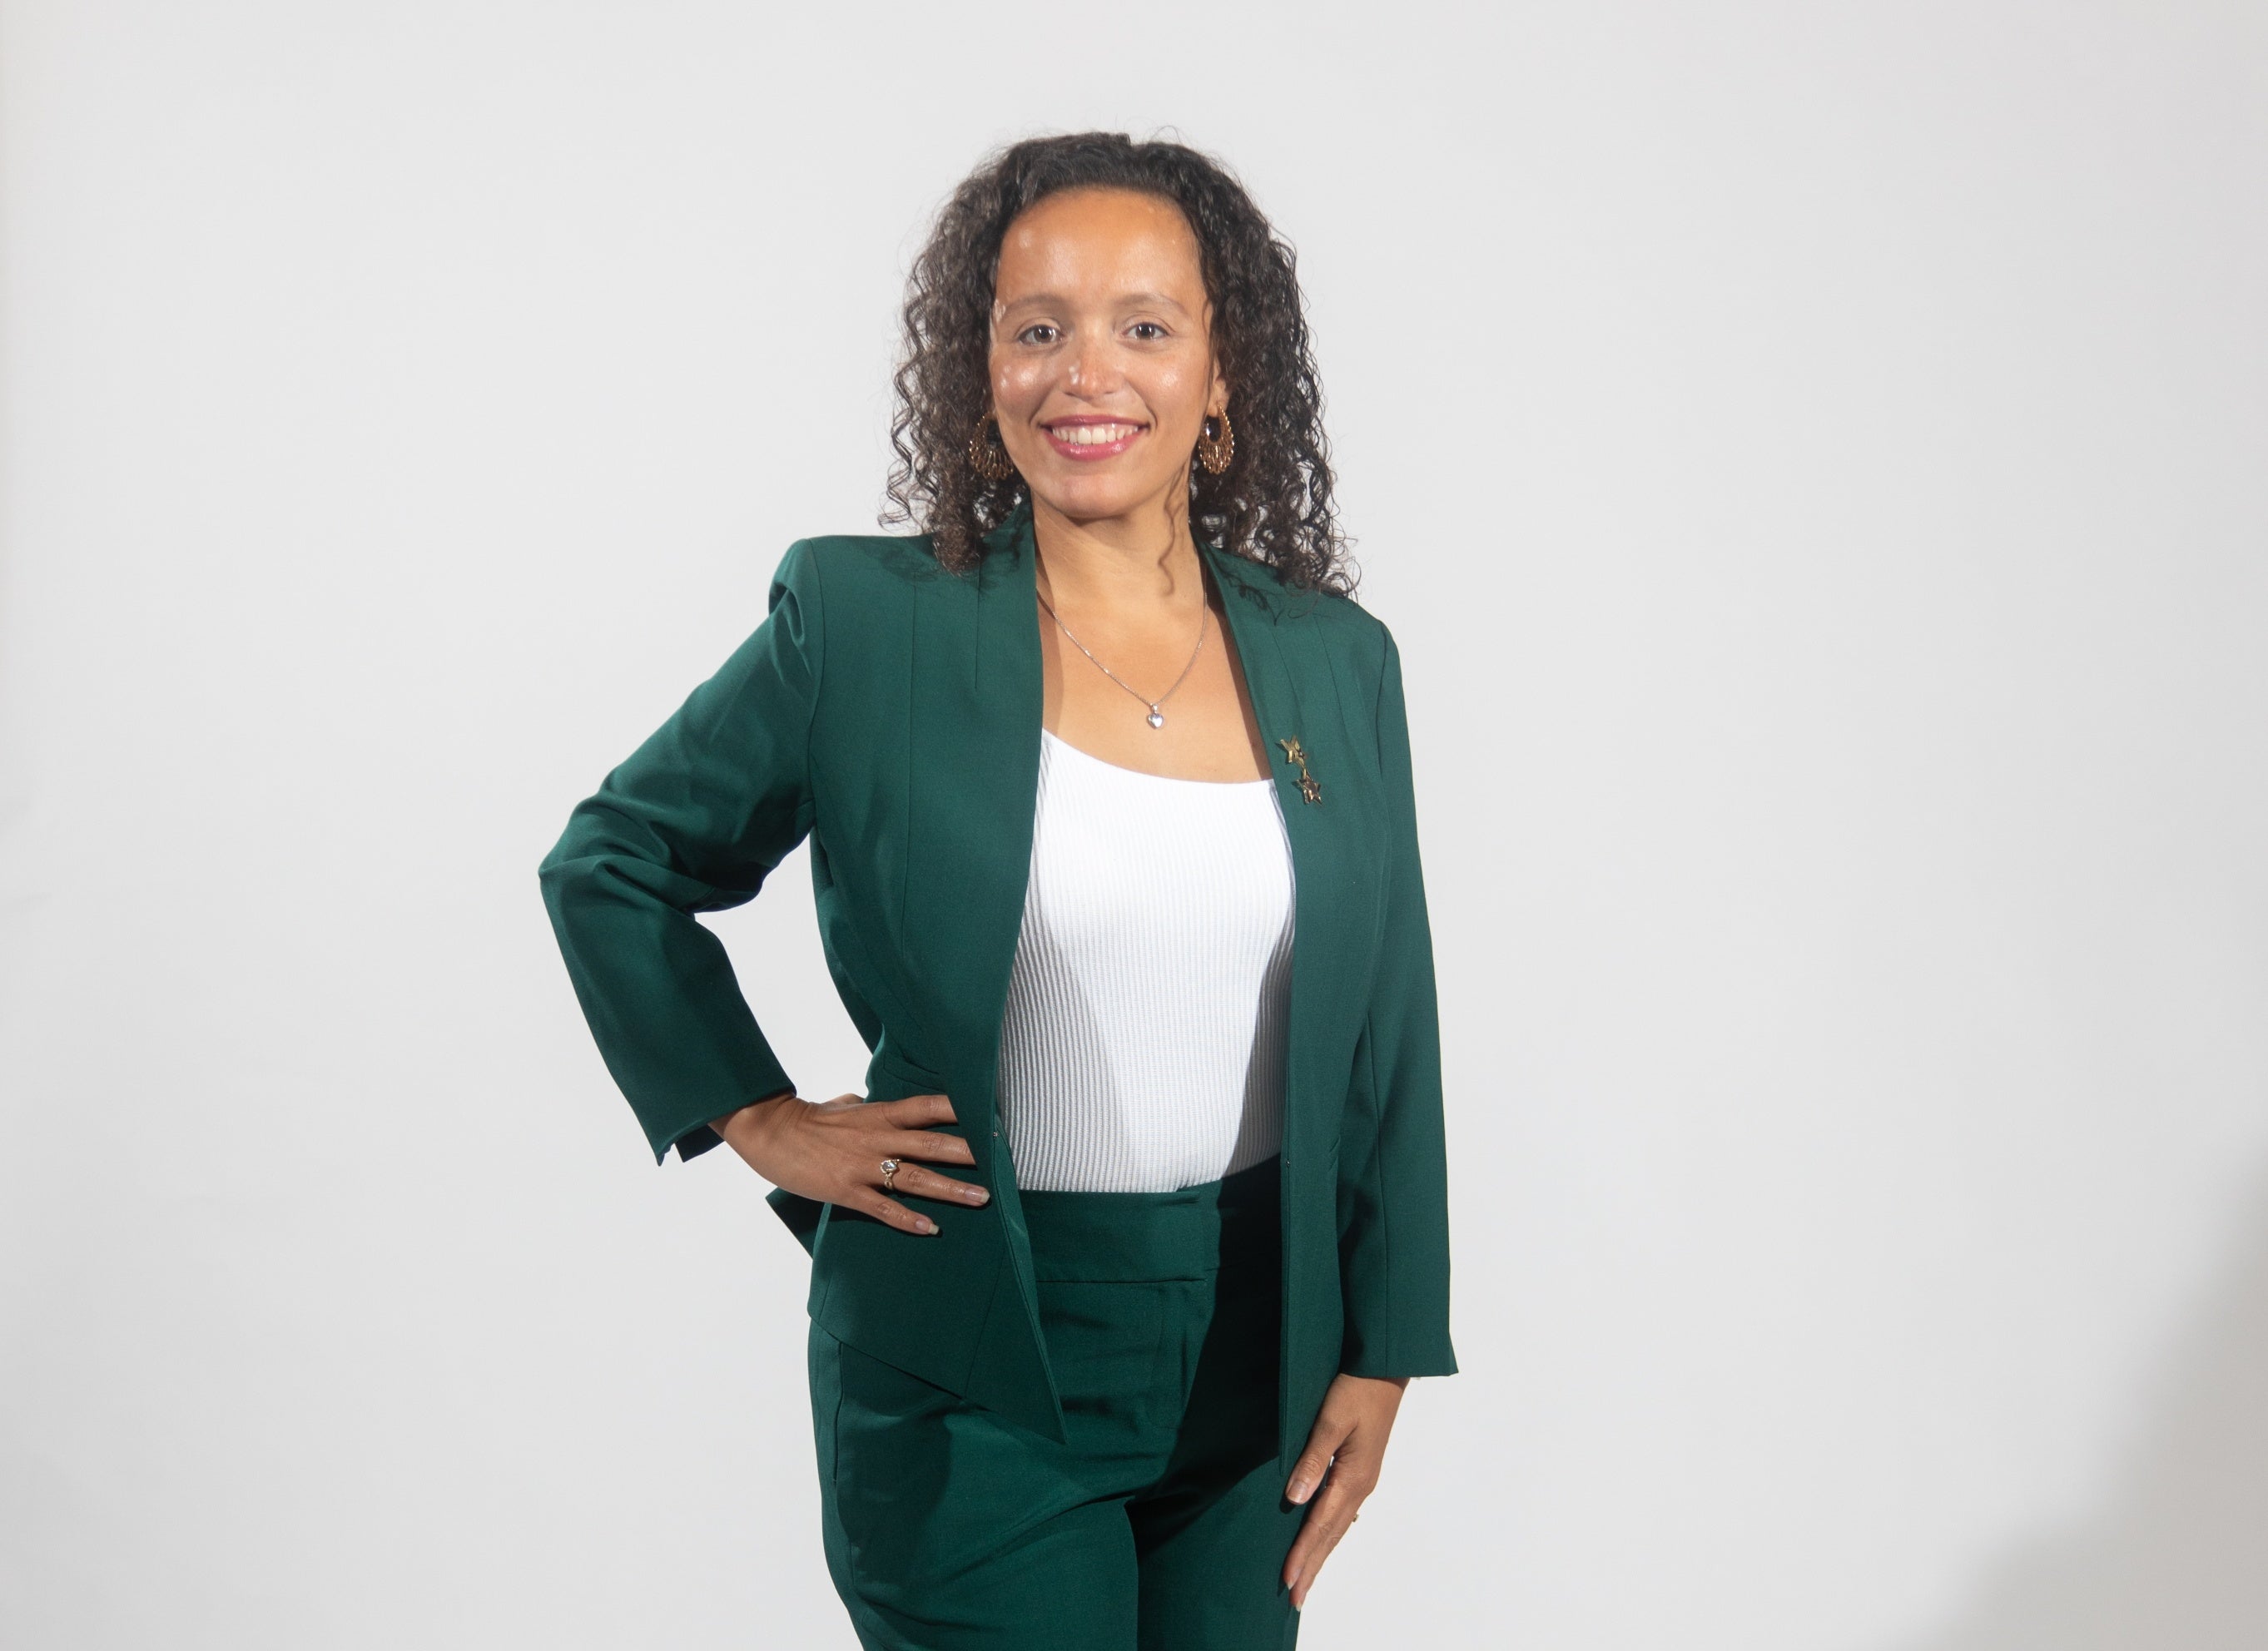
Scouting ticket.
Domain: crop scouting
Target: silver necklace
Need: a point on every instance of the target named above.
(1156, 717)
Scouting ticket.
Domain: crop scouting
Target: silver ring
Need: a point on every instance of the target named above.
(890, 1173)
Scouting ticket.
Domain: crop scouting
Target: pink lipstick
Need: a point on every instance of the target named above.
(1089, 438)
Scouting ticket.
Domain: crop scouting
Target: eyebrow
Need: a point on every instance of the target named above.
(1124, 297)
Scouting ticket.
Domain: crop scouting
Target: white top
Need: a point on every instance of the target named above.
(1142, 1045)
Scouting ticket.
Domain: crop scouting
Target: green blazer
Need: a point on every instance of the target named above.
(890, 711)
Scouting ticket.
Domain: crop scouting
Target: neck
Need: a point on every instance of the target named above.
(1147, 557)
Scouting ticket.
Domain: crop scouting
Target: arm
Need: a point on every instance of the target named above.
(1393, 1208)
(694, 821)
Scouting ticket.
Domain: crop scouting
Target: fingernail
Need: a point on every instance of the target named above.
(922, 1223)
(976, 1195)
(1299, 1491)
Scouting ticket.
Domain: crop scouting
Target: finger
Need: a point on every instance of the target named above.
(888, 1210)
(1329, 1519)
(915, 1110)
(920, 1183)
(932, 1144)
(1330, 1432)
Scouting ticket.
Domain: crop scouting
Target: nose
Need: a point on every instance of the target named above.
(1094, 366)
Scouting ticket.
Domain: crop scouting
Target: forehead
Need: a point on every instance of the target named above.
(1111, 238)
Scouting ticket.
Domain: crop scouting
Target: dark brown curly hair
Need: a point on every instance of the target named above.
(1272, 505)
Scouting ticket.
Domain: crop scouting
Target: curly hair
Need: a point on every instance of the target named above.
(1273, 504)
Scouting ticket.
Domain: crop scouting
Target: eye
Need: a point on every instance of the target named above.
(1148, 332)
(1038, 333)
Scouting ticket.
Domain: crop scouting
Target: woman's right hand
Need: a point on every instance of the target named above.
(833, 1151)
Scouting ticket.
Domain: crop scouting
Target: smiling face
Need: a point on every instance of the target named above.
(1102, 357)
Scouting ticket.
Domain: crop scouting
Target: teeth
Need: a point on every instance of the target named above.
(1092, 435)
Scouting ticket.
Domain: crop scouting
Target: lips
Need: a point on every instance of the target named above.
(1089, 439)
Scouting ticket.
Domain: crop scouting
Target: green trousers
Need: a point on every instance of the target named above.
(1160, 1526)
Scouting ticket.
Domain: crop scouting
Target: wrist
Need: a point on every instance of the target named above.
(1399, 1383)
(736, 1126)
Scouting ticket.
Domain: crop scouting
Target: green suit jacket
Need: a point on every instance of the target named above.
(890, 711)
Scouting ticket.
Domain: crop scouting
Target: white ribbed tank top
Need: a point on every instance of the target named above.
(1142, 1045)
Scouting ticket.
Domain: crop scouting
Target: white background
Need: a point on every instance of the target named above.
(1813, 459)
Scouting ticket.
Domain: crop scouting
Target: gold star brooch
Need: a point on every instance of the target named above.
(1308, 789)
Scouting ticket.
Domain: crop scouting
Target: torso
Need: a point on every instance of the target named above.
(1142, 1046)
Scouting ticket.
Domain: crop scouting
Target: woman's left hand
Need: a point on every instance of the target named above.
(1345, 1452)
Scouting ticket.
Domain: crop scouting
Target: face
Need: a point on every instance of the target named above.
(1101, 355)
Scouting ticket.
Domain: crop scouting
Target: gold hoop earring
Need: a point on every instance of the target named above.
(989, 459)
(1217, 444)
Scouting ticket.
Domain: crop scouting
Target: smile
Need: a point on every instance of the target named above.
(1089, 440)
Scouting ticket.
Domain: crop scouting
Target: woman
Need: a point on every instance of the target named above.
(1123, 1262)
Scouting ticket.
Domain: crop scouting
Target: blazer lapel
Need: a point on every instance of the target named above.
(973, 774)
(1318, 857)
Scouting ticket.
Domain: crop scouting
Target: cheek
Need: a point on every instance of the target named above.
(1176, 392)
(1018, 389)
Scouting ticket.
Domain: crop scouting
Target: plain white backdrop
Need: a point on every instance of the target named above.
(1814, 459)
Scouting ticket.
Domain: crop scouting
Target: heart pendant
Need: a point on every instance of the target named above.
(1157, 718)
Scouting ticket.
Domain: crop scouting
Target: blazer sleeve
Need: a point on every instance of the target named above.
(694, 821)
(1393, 1187)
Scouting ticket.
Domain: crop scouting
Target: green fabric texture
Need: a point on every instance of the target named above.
(890, 711)
(1159, 1526)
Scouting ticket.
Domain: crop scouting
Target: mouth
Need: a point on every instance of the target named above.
(1089, 439)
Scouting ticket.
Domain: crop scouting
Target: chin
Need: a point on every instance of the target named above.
(1094, 498)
